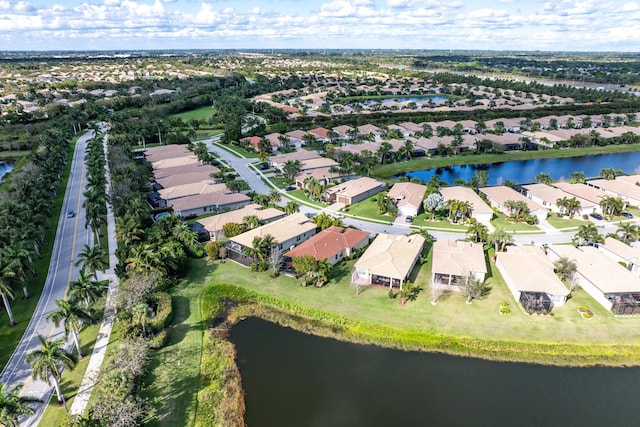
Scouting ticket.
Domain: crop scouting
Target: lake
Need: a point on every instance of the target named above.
(293, 379)
(524, 171)
(5, 166)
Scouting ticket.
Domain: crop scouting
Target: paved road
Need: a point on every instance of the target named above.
(253, 178)
(71, 236)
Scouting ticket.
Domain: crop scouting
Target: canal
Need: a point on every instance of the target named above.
(524, 171)
(293, 379)
(5, 167)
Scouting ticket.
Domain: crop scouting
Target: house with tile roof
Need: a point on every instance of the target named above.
(408, 197)
(499, 194)
(455, 261)
(353, 191)
(214, 224)
(529, 275)
(388, 261)
(332, 244)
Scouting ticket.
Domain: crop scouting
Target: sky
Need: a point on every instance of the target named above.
(559, 25)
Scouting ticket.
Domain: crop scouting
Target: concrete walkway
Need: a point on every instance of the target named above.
(93, 369)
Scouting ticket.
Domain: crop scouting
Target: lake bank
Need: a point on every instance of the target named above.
(422, 163)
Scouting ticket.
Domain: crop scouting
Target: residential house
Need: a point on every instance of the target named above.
(279, 160)
(388, 261)
(411, 128)
(332, 244)
(287, 232)
(184, 169)
(199, 175)
(202, 187)
(274, 140)
(548, 196)
(297, 137)
(214, 224)
(583, 191)
(191, 160)
(166, 152)
(627, 191)
(321, 134)
(498, 195)
(368, 130)
(408, 197)
(622, 253)
(610, 284)
(200, 204)
(530, 276)
(254, 141)
(454, 262)
(356, 190)
(344, 132)
(479, 209)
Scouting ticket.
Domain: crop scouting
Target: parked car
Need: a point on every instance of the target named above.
(70, 213)
(289, 188)
(409, 218)
(338, 215)
(596, 216)
(627, 215)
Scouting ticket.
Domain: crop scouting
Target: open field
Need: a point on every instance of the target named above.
(391, 169)
(202, 113)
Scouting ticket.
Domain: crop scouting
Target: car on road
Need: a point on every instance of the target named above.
(70, 213)
(338, 215)
(627, 215)
(596, 216)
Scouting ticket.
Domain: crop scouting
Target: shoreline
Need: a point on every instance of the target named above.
(225, 304)
(425, 163)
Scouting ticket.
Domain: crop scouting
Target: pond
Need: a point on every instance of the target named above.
(5, 166)
(293, 379)
(524, 171)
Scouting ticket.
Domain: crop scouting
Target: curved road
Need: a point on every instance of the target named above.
(71, 236)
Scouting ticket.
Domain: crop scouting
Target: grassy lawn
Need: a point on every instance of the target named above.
(424, 220)
(566, 222)
(434, 162)
(451, 315)
(71, 380)
(238, 151)
(300, 195)
(23, 309)
(202, 113)
(500, 220)
(368, 208)
(280, 182)
(175, 369)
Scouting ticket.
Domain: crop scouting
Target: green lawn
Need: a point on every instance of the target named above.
(424, 220)
(500, 220)
(566, 222)
(202, 113)
(71, 380)
(207, 133)
(368, 208)
(280, 182)
(23, 309)
(451, 315)
(175, 369)
(300, 195)
(6, 155)
(238, 151)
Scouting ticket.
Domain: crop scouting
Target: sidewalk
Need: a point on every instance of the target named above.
(93, 369)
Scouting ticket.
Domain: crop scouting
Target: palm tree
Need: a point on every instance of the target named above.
(13, 406)
(500, 238)
(6, 292)
(290, 168)
(321, 270)
(610, 173)
(251, 221)
(140, 314)
(291, 207)
(48, 361)
(92, 259)
(453, 205)
(84, 289)
(146, 259)
(588, 234)
(573, 206)
(543, 178)
(274, 196)
(383, 151)
(128, 230)
(627, 231)
(71, 316)
(478, 232)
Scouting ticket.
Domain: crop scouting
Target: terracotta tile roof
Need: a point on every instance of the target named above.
(176, 161)
(187, 178)
(215, 223)
(217, 199)
(501, 193)
(330, 242)
(466, 194)
(166, 152)
(458, 258)
(408, 193)
(281, 230)
(391, 256)
(183, 169)
(192, 189)
(321, 132)
(355, 187)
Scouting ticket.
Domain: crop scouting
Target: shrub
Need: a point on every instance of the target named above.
(213, 249)
(158, 340)
(163, 310)
(504, 308)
